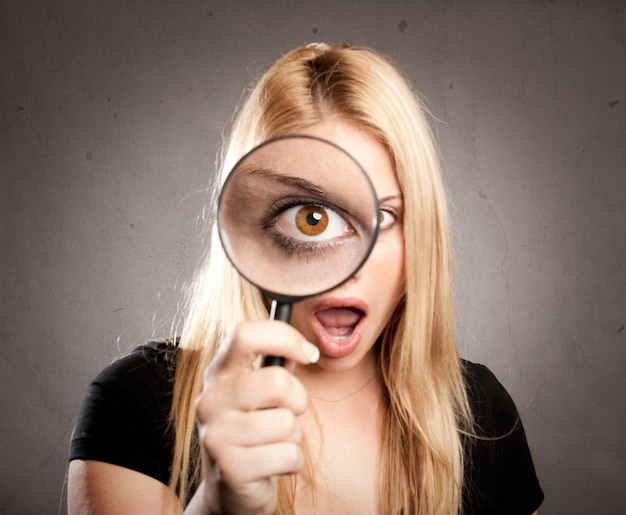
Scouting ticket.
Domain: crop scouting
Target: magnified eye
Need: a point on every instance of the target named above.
(313, 223)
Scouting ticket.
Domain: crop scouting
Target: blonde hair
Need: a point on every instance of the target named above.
(427, 411)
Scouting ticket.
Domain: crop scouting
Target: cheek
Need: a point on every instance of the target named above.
(388, 258)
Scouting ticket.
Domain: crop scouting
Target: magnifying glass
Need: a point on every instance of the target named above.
(297, 216)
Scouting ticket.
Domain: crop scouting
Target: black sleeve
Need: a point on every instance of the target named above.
(124, 417)
(500, 475)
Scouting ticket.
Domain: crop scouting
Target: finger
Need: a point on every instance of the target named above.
(235, 428)
(241, 465)
(269, 387)
(249, 340)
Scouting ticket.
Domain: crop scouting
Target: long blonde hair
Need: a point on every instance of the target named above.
(427, 411)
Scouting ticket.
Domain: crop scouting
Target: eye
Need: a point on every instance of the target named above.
(386, 218)
(313, 223)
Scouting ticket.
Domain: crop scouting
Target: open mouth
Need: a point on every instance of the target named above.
(339, 323)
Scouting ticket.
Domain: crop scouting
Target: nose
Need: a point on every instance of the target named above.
(356, 276)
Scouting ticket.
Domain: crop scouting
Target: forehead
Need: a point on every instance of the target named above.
(372, 155)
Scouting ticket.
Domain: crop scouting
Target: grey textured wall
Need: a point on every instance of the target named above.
(111, 116)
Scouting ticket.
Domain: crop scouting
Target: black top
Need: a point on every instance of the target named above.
(123, 421)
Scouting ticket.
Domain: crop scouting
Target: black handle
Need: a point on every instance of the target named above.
(279, 311)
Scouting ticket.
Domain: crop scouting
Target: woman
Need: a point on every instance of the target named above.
(374, 411)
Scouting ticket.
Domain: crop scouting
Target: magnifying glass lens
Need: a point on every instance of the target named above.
(297, 217)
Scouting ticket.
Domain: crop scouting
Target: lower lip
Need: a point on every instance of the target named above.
(334, 347)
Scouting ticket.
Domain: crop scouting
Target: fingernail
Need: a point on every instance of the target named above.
(311, 351)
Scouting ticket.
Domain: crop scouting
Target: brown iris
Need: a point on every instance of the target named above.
(311, 220)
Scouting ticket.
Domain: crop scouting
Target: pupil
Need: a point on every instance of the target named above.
(314, 218)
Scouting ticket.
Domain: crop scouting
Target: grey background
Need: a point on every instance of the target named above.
(112, 113)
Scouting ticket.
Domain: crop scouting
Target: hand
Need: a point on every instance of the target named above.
(247, 417)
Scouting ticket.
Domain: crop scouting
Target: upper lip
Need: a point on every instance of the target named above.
(338, 302)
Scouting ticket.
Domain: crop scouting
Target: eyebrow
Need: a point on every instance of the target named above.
(396, 196)
(289, 180)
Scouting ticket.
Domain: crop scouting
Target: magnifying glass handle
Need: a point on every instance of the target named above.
(279, 311)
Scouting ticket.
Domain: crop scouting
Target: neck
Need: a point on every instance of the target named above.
(326, 384)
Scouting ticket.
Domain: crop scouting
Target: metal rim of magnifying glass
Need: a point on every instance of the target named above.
(281, 297)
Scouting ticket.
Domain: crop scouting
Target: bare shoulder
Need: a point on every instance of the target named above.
(95, 487)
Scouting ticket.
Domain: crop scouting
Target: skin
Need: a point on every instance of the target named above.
(343, 428)
(253, 431)
(378, 286)
(252, 420)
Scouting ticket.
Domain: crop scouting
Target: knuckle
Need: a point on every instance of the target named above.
(286, 390)
(294, 457)
(210, 438)
(281, 381)
(204, 405)
(244, 334)
(228, 463)
(286, 425)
